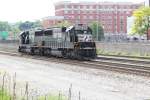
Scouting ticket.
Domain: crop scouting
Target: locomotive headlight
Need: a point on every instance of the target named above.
(90, 37)
(80, 38)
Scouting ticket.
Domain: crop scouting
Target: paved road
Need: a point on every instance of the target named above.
(94, 84)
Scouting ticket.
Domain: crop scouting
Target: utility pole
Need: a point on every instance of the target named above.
(97, 23)
(147, 3)
(148, 25)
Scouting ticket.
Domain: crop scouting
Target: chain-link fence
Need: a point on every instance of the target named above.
(139, 48)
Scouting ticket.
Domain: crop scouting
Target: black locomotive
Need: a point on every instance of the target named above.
(72, 42)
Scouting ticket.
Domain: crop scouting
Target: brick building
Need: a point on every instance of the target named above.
(113, 16)
(51, 21)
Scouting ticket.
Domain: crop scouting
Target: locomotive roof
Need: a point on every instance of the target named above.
(21, 33)
(38, 30)
(78, 27)
(69, 28)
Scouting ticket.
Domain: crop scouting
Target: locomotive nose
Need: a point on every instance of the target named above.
(84, 38)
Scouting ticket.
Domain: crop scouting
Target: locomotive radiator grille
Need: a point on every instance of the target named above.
(87, 45)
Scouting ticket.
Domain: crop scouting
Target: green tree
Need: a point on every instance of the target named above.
(29, 25)
(37, 24)
(25, 25)
(4, 26)
(142, 21)
(97, 29)
(15, 31)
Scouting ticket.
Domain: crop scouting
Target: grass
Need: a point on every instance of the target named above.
(52, 97)
(124, 54)
(4, 95)
(16, 94)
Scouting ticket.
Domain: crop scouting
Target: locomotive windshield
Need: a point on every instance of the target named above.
(83, 32)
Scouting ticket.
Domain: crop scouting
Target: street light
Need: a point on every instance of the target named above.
(97, 22)
(97, 30)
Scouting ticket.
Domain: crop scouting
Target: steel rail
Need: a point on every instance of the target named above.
(124, 59)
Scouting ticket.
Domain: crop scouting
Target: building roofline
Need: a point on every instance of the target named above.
(95, 3)
(53, 17)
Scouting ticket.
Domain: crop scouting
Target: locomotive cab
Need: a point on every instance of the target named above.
(24, 41)
(81, 36)
(24, 37)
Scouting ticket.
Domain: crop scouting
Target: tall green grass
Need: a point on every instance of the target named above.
(119, 53)
(52, 97)
(4, 95)
(21, 95)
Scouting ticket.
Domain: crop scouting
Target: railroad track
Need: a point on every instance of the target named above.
(125, 59)
(123, 67)
(139, 67)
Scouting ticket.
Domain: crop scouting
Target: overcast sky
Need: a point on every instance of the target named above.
(21, 10)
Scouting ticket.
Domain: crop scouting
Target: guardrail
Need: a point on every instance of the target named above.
(9, 41)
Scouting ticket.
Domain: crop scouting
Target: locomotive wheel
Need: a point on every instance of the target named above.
(19, 49)
(41, 51)
(64, 54)
(77, 54)
(32, 51)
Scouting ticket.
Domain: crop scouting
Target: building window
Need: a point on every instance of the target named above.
(75, 11)
(78, 7)
(131, 7)
(72, 12)
(78, 11)
(100, 7)
(69, 12)
(69, 6)
(94, 7)
(87, 12)
(90, 12)
(85, 17)
(65, 12)
(87, 6)
(78, 17)
(66, 6)
(124, 7)
(121, 24)
(91, 7)
(75, 6)
(91, 17)
(94, 12)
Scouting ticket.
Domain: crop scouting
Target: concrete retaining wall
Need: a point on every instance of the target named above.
(130, 48)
